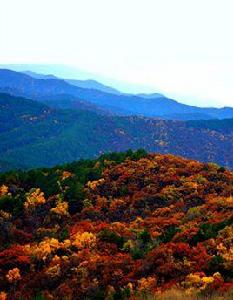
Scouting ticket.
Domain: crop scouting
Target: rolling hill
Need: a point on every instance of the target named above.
(124, 226)
(34, 135)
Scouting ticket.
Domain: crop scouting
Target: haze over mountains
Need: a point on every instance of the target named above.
(88, 83)
(70, 72)
(19, 84)
(116, 150)
(45, 121)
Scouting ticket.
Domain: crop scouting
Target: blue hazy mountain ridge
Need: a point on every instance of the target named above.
(66, 71)
(39, 76)
(33, 134)
(150, 96)
(93, 84)
(87, 84)
(23, 85)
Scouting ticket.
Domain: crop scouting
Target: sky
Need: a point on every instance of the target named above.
(182, 48)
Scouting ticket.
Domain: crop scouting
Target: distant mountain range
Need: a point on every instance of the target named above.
(86, 84)
(19, 84)
(33, 134)
(72, 72)
(45, 121)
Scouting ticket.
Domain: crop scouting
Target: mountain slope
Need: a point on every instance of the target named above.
(5, 166)
(124, 226)
(36, 135)
(23, 85)
(93, 85)
(224, 126)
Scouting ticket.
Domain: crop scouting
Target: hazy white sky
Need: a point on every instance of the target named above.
(183, 48)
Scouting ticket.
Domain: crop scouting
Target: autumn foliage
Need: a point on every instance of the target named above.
(117, 229)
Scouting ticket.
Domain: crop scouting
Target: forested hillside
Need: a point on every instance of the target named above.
(224, 126)
(124, 226)
(33, 134)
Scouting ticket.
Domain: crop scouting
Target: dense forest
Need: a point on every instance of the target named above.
(127, 225)
(224, 126)
(33, 134)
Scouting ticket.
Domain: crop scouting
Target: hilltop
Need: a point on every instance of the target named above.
(127, 225)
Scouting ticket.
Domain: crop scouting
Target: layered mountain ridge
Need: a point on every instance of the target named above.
(34, 135)
(20, 84)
